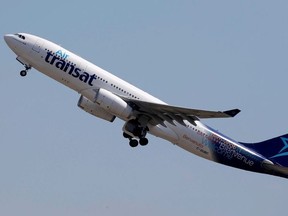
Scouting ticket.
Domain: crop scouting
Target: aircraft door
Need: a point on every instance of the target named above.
(37, 46)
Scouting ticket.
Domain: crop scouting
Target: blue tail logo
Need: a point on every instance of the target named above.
(275, 149)
(281, 153)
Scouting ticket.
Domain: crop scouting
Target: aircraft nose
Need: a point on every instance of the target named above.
(8, 39)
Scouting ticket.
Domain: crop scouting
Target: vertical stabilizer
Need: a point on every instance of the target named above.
(275, 149)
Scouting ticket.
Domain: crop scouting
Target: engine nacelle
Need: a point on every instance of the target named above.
(113, 104)
(95, 109)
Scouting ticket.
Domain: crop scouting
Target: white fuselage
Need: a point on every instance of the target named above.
(107, 96)
(84, 77)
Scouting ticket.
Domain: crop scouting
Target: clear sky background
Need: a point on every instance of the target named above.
(55, 159)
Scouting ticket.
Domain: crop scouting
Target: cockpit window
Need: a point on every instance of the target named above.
(20, 36)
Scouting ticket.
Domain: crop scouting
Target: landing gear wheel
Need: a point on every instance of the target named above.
(23, 73)
(143, 141)
(125, 135)
(133, 143)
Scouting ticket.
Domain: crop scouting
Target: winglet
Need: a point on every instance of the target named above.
(232, 113)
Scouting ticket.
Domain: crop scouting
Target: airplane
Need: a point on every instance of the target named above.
(107, 97)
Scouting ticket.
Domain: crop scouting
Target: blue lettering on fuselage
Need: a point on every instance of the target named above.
(62, 54)
(59, 61)
(226, 150)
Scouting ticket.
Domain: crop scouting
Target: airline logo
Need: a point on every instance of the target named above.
(62, 54)
(284, 150)
(59, 60)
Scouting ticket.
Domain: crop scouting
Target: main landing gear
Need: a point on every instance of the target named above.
(133, 130)
(24, 72)
(134, 142)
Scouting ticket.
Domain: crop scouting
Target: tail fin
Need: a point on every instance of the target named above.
(275, 149)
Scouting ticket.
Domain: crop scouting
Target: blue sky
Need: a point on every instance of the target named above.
(57, 160)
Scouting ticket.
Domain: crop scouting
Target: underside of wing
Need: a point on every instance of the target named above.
(159, 113)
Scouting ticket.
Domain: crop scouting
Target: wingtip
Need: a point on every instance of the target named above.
(232, 113)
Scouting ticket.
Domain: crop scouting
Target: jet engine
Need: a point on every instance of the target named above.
(109, 102)
(95, 109)
(113, 104)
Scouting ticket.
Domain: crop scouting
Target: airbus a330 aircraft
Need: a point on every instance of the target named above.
(107, 97)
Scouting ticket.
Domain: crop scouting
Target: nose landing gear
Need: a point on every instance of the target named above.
(24, 72)
(26, 65)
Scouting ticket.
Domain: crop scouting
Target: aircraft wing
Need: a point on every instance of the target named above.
(159, 113)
